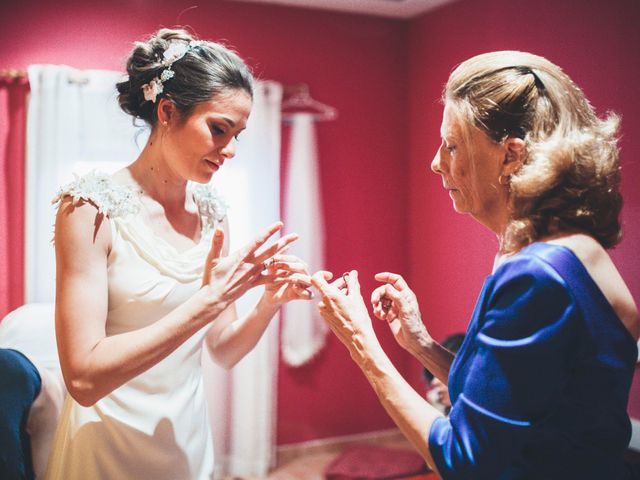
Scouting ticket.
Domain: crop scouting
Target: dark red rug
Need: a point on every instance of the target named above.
(367, 462)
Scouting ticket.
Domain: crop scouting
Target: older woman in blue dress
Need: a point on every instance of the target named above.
(523, 153)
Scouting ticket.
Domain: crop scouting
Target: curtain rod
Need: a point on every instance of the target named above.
(11, 74)
(298, 92)
(16, 73)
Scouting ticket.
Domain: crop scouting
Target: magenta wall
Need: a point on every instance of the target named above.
(597, 44)
(384, 76)
(354, 63)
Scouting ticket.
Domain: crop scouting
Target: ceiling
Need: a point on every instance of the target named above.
(385, 8)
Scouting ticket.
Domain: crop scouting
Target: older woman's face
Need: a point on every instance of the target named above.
(470, 168)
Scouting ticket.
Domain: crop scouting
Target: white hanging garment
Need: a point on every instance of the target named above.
(303, 330)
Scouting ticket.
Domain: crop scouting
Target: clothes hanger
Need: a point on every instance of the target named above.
(300, 100)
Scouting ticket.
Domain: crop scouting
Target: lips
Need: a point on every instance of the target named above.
(215, 165)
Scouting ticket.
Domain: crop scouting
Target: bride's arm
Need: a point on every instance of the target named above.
(230, 338)
(93, 364)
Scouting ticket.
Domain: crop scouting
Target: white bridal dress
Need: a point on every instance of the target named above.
(156, 425)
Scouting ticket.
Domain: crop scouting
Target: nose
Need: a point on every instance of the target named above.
(435, 163)
(229, 150)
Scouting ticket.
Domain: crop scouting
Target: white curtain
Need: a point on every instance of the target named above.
(243, 401)
(303, 330)
(76, 125)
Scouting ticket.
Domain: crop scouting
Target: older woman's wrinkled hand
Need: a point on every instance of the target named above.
(395, 303)
(344, 310)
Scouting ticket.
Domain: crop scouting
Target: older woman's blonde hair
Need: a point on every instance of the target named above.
(569, 181)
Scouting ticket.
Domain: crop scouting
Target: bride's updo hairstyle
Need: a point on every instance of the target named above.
(570, 177)
(174, 65)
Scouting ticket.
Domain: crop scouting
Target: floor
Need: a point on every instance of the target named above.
(311, 464)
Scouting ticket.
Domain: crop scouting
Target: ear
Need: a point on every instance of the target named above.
(515, 152)
(167, 111)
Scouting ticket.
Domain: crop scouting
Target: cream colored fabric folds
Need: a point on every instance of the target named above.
(156, 425)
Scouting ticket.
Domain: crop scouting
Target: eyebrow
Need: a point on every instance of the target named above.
(230, 122)
(451, 136)
(443, 133)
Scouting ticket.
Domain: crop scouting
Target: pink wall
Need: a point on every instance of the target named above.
(597, 44)
(352, 62)
(12, 149)
(361, 66)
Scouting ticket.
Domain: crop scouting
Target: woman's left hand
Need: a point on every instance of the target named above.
(395, 303)
(344, 310)
(286, 278)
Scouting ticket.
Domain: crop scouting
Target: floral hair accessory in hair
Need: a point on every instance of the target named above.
(174, 52)
(152, 89)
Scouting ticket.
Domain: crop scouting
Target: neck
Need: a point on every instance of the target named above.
(155, 177)
(496, 221)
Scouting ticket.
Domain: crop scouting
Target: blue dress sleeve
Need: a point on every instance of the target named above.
(513, 368)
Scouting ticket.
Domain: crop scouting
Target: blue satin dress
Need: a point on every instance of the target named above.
(20, 384)
(541, 383)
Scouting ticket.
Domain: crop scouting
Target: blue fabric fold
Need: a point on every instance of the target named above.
(527, 383)
(20, 384)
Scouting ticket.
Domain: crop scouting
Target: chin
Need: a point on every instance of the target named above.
(202, 177)
(459, 208)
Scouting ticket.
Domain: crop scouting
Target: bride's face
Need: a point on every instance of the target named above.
(197, 145)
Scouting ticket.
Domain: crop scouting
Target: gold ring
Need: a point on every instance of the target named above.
(268, 262)
(386, 304)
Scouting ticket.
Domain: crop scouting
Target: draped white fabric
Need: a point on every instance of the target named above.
(244, 422)
(74, 123)
(303, 330)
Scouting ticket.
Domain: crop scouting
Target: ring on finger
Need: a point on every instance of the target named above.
(345, 277)
(268, 262)
(386, 303)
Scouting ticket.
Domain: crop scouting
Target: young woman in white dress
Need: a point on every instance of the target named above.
(144, 278)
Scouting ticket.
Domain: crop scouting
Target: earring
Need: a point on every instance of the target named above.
(504, 180)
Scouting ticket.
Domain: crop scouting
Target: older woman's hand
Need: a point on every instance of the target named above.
(344, 310)
(395, 303)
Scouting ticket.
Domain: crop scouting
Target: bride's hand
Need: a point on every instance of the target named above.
(225, 279)
(286, 278)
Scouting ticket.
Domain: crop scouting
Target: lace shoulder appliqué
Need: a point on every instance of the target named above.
(112, 199)
(211, 205)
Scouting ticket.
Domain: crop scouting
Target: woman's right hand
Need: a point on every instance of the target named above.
(395, 303)
(225, 279)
